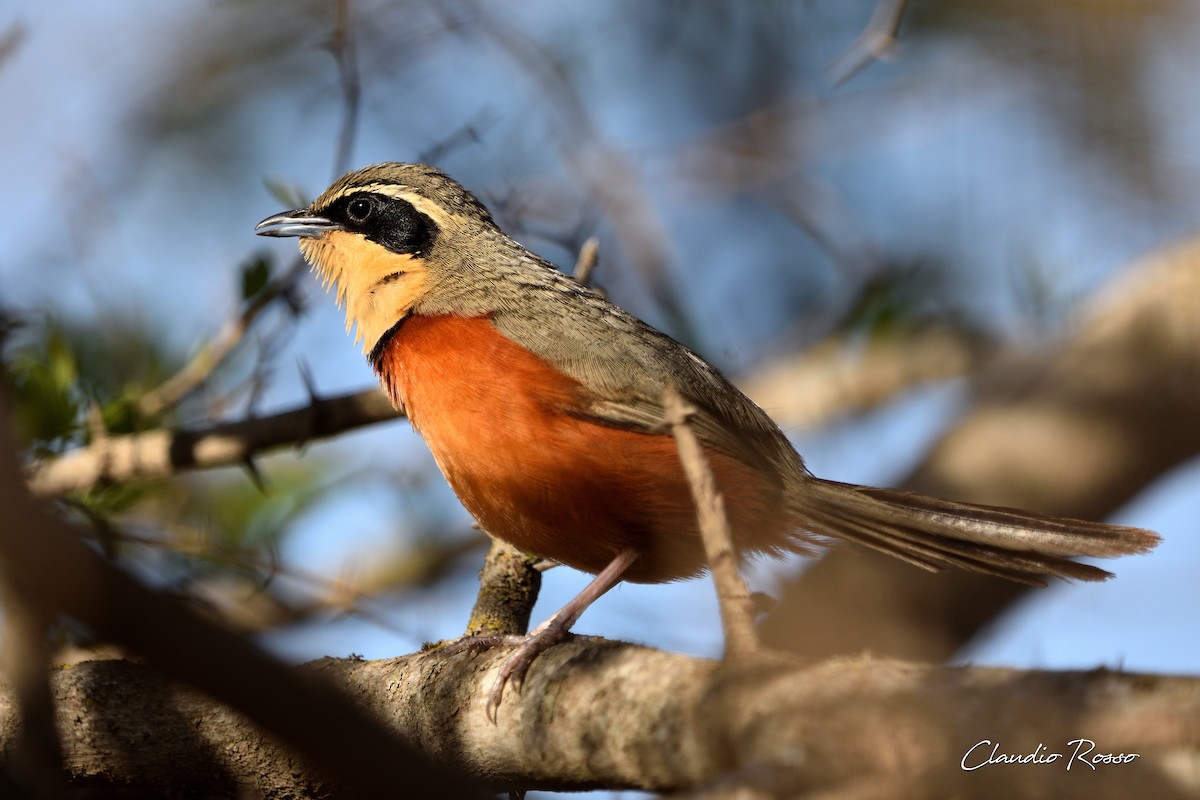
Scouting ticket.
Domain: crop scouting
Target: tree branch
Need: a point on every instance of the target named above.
(509, 583)
(876, 41)
(846, 375)
(162, 453)
(605, 714)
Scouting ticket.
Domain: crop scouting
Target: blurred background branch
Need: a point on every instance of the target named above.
(874, 43)
(1071, 432)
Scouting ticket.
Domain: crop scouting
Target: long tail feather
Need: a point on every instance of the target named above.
(932, 534)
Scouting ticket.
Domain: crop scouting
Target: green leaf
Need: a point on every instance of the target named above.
(255, 274)
(60, 362)
(47, 410)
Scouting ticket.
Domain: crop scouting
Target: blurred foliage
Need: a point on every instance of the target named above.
(59, 370)
(42, 385)
(254, 519)
(205, 526)
(895, 299)
(71, 380)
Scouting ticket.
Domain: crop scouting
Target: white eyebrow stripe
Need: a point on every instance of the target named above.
(423, 204)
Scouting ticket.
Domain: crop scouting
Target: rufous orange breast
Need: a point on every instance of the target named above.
(507, 432)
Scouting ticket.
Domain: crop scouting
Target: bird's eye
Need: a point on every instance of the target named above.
(359, 209)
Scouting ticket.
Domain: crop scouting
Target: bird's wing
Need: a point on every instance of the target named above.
(624, 366)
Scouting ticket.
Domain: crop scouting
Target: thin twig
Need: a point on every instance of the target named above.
(357, 597)
(589, 257)
(470, 132)
(875, 42)
(161, 453)
(195, 372)
(737, 606)
(344, 53)
(168, 394)
(11, 41)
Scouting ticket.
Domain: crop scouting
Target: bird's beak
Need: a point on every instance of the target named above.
(300, 222)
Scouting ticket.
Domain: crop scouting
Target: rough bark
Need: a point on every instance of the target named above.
(596, 713)
(509, 583)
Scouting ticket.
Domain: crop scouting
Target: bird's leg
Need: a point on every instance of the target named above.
(555, 629)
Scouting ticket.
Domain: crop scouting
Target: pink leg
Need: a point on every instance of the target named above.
(556, 629)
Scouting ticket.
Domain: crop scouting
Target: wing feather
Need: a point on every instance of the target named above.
(623, 365)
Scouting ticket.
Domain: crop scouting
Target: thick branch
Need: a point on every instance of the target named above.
(162, 453)
(596, 713)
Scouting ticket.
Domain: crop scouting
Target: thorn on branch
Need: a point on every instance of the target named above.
(342, 46)
(314, 418)
(253, 473)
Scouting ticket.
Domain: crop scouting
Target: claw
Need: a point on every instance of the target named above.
(517, 665)
(553, 631)
(475, 644)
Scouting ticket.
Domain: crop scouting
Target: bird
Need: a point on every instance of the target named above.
(542, 404)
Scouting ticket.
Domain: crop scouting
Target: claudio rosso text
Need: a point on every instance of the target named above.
(1078, 754)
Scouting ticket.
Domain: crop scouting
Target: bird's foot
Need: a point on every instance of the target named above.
(553, 631)
(517, 664)
(472, 643)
